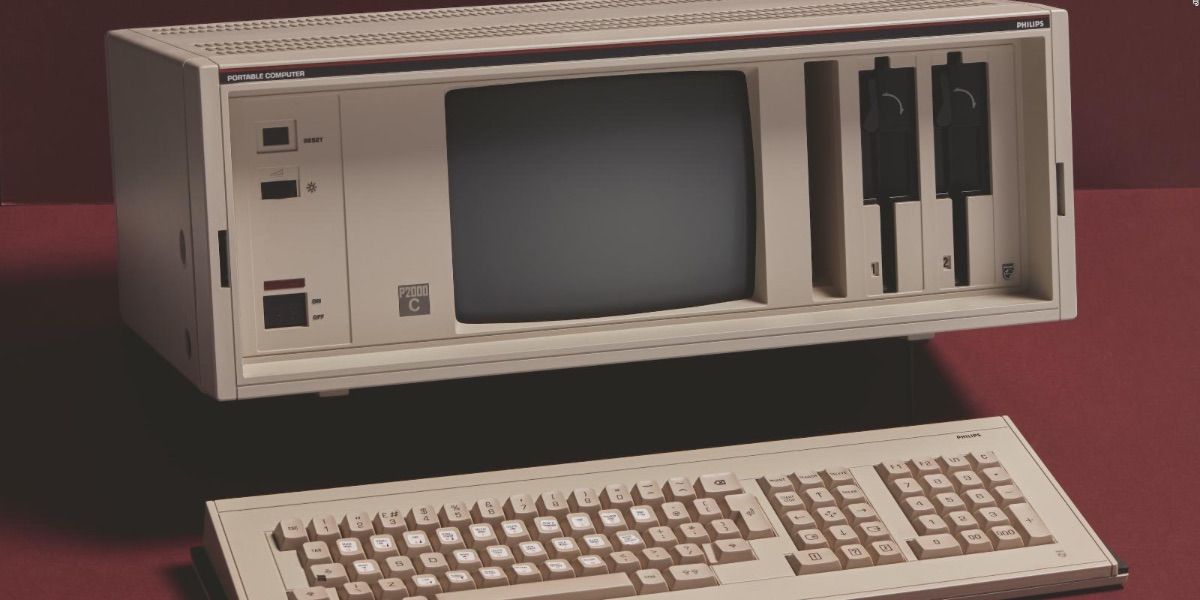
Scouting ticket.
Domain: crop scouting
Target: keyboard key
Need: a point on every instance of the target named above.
(612, 521)
(655, 558)
(885, 552)
(514, 532)
(357, 590)
(390, 522)
(426, 585)
(423, 518)
(498, 556)
(456, 581)
(1031, 527)
(860, 513)
(487, 510)
(961, 520)
(520, 507)
(313, 593)
(773, 484)
(579, 524)
(689, 577)
(598, 544)
(983, 460)
(905, 487)
(992, 517)
(365, 570)
(935, 546)
(686, 554)
(1005, 537)
(830, 516)
(947, 503)
(662, 537)
(448, 539)
(872, 531)
(848, 494)
(324, 529)
(415, 543)
(643, 517)
(786, 501)
(1008, 494)
(465, 560)
(531, 552)
(524, 573)
(482, 535)
(455, 514)
(892, 470)
(489, 577)
(977, 499)
(693, 533)
(679, 489)
(380, 547)
(836, 477)
(399, 567)
(719, 485)
(564, 548)
(840, 535)
(584, 500)
(553, 504)
(924, 466)
(930, 525)
(733, 550)
(966, 480)
(389, 588)
(954, 462)
(817, 560)
(546, 528)
(628, 540)
(616, 496)
(649, 581)
(706, 510)
(600, 587)
(623, 561)
(648, 493)
(818, 498)
(674, 514)
(289, 534)
(432, 563)
(348, 550)
(722, 529)
(854, 556)
(936, 484)
(798, 520)
(332, 574)
(556, 568)
(806, 480)
(917, 506)
(995, 476)
(974, 541)
(749, 517)
(315, 553)
(589, 565)
(810, 539)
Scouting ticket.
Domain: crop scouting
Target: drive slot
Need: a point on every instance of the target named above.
(825, 188)
(874, 249)
(982, 239)
(962, 143)
(887, 100)
(909, 270)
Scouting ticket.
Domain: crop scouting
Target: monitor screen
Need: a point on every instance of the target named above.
(601, 196)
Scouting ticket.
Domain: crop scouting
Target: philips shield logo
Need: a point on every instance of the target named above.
(1032, 24)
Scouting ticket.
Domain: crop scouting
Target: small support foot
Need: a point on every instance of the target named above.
(333, 393)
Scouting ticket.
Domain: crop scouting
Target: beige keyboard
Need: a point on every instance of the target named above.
(951, 510)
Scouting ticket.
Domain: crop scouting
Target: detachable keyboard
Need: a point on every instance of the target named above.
(951, 510)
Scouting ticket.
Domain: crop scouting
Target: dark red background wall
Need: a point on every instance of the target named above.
(1136, 87)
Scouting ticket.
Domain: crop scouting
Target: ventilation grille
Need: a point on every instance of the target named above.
(416, 15)
(518, 29)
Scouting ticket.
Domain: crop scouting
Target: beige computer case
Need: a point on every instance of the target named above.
(193, 245)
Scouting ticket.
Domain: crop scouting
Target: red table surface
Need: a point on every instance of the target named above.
(1107, 400)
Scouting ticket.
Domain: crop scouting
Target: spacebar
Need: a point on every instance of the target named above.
(593, 587)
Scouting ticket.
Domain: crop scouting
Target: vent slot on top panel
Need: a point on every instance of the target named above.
(574, 26)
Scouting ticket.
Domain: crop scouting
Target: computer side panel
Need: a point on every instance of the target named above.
(1064, 156)
(155, 245)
